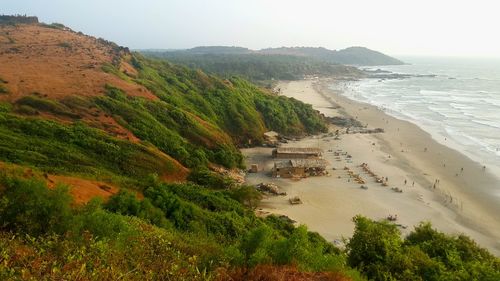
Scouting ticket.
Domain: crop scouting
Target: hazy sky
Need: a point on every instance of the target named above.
(424, 27)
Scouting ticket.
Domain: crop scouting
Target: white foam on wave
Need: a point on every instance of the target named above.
(492, 124)
(467, 116)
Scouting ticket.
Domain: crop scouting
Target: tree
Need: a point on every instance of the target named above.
(373, 246)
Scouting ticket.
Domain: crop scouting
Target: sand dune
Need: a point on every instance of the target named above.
(459, 203)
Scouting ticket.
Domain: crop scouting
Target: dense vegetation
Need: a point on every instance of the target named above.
(17, 19)
(350, 56)
(198, 234)
(257, 67)
(285, 63)
(188, 232)
(75, 149)
(196, 120)
(378, 251)
(200, 118)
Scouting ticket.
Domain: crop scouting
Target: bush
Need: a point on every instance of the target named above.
(126, 203)
(247, 195)
(210, 179)
(426, 254)
(65, 45)
(28, 206)
(46, 105)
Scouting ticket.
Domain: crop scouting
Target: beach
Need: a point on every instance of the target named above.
(439, 184)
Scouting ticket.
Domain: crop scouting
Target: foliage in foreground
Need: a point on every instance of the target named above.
(378, 251)
(198, 234)
(185, 231)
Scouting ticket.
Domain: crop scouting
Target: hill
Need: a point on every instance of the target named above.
(255, 66)
(350, 56)
(285, 63)
(364, 56)
(218, 50)
(63, 80)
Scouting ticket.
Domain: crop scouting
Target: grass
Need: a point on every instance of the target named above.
(65, 45)
(39, 103)
(76, 149)
(3, 88)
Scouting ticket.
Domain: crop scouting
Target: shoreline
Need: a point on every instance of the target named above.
(407, 155)
(455, 160)
(446, 140)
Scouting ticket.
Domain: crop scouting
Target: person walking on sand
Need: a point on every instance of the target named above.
(405, 182)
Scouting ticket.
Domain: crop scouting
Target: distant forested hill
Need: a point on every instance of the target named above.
(351, 56)
(255, 66)
(285, 63)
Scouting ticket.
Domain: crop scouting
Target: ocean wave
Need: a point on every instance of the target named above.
(461, 106)
(491, 124)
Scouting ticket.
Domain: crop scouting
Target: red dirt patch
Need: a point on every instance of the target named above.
(217, 136)
(83, 190)
(109, 124)
(58, 63)
(177, 172)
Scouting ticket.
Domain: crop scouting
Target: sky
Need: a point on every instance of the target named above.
(424, 27)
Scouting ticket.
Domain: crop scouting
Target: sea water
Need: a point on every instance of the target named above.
(459, 106)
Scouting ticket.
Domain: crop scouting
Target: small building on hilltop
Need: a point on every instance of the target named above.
(297, 152)
(299, 168)
(17, 19)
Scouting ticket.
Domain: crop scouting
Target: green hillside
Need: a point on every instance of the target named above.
(255, 66)
(197, 119)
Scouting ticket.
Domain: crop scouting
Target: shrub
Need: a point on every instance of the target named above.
(126, 203)
(46, 105)
(210, 179)
(426, 254)
(247, 195)
(65, 45)
(29, 206)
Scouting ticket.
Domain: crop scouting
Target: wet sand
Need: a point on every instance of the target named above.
(460, 202)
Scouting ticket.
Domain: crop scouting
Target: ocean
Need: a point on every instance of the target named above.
(456, 100)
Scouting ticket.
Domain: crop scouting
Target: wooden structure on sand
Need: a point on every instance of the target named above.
(299, 168)
(297, 152)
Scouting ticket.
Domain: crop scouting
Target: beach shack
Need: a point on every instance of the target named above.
(299, 168)
(297, 152)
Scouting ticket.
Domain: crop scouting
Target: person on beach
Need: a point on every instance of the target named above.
(405, 182)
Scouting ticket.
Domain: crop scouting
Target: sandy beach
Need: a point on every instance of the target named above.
(435, 188)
